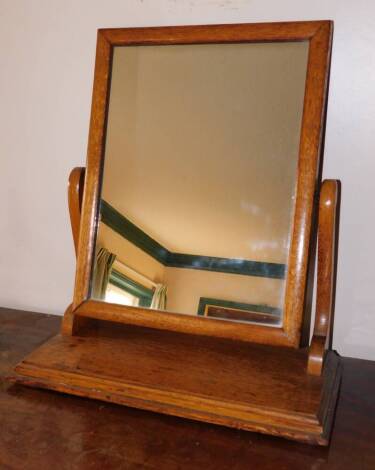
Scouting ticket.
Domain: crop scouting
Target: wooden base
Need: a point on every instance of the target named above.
(241, 385)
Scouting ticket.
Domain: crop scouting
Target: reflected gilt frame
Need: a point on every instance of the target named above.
(299, 274)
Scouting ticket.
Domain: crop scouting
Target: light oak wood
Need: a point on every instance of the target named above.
(75, 195)
(87, 434)
(319, 35)
(242, 385)
(194, 367)
(327, 234)
(237, 384)
(322, 336)
(72, 323)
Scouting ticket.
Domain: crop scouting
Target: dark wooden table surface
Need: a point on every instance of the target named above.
(46, 430)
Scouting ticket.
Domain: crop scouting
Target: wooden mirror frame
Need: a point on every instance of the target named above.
(283, 391)
(319, 35)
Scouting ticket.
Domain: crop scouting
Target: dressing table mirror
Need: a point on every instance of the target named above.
(195, 224)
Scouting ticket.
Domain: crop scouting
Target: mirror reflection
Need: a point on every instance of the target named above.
(199, 179)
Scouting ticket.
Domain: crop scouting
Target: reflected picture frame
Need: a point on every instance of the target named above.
(238, 311)
(299, 275)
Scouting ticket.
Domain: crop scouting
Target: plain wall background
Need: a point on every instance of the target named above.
(47, 50)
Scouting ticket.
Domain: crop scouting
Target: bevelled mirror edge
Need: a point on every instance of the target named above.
(319, 35)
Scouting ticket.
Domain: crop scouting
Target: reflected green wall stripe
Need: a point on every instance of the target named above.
(226, 265)
(120, 224)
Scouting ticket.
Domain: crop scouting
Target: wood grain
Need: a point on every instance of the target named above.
(95, 158)
(41, 429)
(319, 35)
(197, 34)
(72, 323)
(322, 335)
(194, 367)
(191, 376)
(307, 180)
(75, 196)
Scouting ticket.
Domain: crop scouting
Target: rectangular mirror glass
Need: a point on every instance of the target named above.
(199, 179)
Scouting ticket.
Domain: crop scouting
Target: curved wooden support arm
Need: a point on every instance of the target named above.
(75, 196)
(70, 322)
(322, 335)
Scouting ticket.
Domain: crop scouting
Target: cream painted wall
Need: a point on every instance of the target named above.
(202, 145)
(47, 59)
